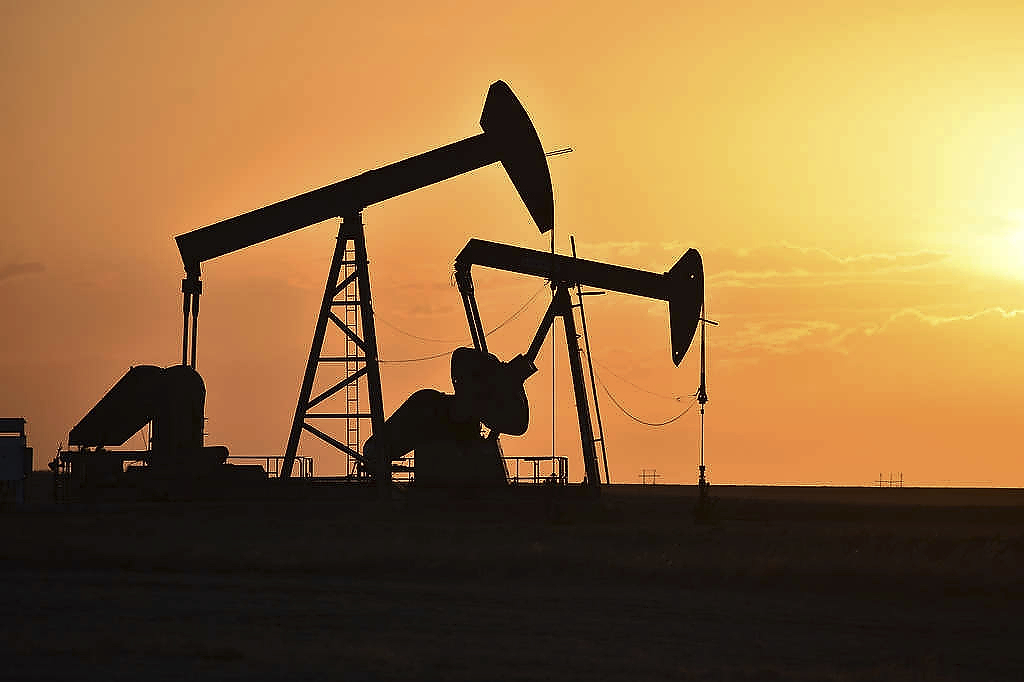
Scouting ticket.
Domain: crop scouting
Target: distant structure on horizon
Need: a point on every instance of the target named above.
(649, 476)
(894, 480)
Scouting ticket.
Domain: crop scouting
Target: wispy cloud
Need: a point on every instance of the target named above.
(783, 264)
(880, 289)
(787, 265)
(788, 336)
(937, 320)
(797, 336)
(925, 256)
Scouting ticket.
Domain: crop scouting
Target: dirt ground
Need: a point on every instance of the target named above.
(781, 584)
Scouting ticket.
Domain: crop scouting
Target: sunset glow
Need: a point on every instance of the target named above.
(1002, 254)
(853, 177)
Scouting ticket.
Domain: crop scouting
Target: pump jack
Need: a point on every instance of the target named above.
(508, 137)
(492, 392)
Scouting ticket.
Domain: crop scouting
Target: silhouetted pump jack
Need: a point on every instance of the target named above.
(444, 429)
(508, 137)
(173, 399)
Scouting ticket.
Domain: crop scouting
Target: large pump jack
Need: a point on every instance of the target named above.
(508, 137)
(176, 459)
(173, 398)
(444, 429)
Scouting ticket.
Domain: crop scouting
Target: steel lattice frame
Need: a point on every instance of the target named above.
(347, 288)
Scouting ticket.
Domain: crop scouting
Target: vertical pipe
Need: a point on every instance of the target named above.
(554, 332)
(702, 398)
(184, 325)
(702, 441)
(195, 326)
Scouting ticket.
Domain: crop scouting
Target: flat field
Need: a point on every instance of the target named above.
(333, 583)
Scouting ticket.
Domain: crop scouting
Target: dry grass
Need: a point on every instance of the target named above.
(786, 586)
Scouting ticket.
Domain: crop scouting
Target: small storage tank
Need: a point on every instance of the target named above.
(15, 460)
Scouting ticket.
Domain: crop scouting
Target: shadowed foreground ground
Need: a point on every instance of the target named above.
(785, 584)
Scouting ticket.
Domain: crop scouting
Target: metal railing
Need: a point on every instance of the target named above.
(303, 467)
(536, 473)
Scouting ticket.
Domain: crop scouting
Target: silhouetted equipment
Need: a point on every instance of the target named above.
(580, 293)
(682, 286)
(509, 138)
(172, 399)
(894, 481)
(15, 460)
(444, 430)
(556, 471)
(702, 397)
(492, 392)
(649, 476)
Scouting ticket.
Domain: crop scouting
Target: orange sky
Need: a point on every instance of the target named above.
(850, 174)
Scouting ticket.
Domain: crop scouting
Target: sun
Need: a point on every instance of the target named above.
(1001, 252)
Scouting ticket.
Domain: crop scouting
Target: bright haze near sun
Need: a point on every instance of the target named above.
(851, 176)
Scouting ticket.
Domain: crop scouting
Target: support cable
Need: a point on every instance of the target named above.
(676, 398)
(420, 359)
(518, 312)
(637, 419)
(446, 353)
(411, 335)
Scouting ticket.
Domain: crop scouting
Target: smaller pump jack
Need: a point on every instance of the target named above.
(444, 429)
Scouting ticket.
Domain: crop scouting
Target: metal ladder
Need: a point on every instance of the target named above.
(590, 365)
(352, 402)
